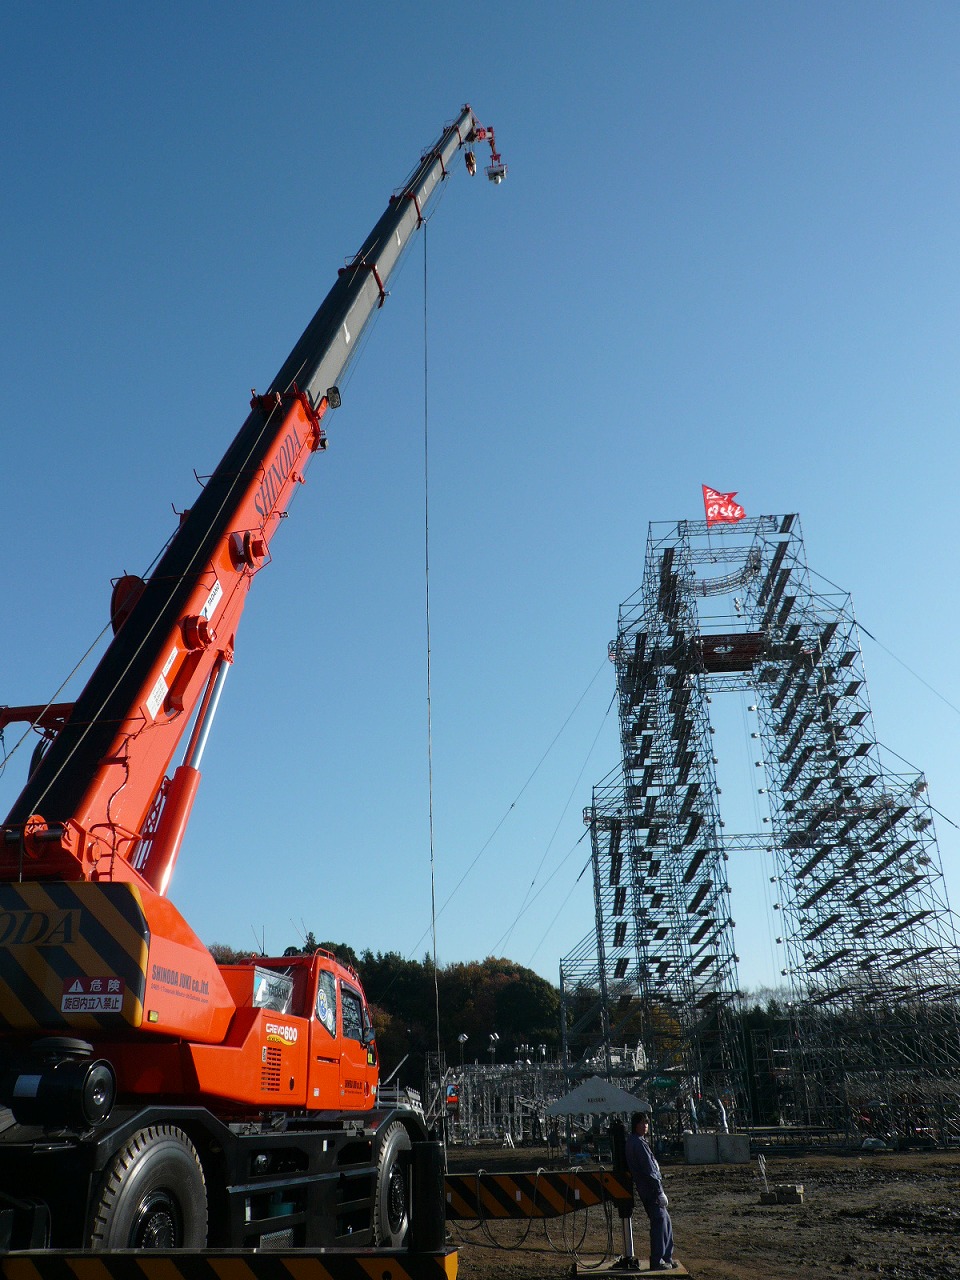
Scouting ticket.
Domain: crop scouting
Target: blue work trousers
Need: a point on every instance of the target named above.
(661, 1232)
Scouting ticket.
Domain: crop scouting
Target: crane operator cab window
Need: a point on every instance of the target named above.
(327, 1001)
(356, 1023)
(352, 1014)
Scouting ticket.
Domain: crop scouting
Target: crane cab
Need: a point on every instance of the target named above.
(303, 1036)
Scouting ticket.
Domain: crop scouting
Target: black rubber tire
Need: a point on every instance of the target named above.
(153, 1195)
(391, 1208)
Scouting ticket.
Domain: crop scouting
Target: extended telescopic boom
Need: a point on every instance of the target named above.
(99, 805)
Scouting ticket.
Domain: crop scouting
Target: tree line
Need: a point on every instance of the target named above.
(497, 996)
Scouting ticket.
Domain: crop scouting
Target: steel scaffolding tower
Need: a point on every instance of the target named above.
(869, 939)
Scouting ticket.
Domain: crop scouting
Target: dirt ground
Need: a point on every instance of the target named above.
(887, 1214)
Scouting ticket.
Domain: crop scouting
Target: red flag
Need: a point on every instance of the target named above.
(720, 507)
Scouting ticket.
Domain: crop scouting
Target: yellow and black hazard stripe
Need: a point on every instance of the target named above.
(544, 1194)
(323, 1264)
(63, 937)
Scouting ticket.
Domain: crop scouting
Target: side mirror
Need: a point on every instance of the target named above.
(369, 1035)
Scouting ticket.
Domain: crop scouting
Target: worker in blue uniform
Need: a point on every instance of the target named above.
(648, 1184)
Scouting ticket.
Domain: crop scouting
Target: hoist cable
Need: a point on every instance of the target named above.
(426, 574)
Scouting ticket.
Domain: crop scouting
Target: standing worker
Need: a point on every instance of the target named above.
(648, 1185)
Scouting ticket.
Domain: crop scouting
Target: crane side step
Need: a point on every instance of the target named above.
(229, 1264)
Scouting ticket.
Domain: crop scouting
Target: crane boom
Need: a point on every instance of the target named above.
(99, 805)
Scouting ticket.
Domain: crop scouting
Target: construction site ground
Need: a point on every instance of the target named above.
(879, 1213)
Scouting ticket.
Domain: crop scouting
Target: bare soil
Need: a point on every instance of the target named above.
(889, 1214)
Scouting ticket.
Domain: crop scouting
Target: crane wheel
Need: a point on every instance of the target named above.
(152, 1195)
(391, 1209)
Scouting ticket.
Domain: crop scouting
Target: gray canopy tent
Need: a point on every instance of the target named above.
(597, 1097)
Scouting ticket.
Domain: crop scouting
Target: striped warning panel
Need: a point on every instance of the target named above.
(73, 956)
(544, 1194)
(322, 1264)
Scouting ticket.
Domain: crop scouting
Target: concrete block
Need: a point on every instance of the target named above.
(700, 1148)
(783, 1193)
(787, 1194)
(733, 1148)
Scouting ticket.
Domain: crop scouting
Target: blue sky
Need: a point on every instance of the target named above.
(726, 252)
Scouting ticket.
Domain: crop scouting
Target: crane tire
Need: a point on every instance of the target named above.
(152, 1195)
(391, 1208)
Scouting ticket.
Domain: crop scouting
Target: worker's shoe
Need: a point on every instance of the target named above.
(664, 1265)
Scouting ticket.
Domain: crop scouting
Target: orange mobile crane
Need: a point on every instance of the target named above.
(156, 1099)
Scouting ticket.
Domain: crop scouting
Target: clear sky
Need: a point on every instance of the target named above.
(726, 252)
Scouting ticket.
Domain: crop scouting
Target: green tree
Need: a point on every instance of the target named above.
(223, 954)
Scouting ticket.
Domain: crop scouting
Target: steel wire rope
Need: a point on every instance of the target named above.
(426, 576)
(460, 1225)
(570, 894)
(382, 993)
(606, 1210)
(758, 827)
(513, 804)
(572, 1247)
(395, 276)
(7, 755)
(926, 684)
(504, 939)
(564, 1247)
(187, 572)
(936, 693)
(527, 901)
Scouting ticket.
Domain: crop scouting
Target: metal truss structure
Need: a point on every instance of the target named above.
(504, 1103)
(869, 940)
